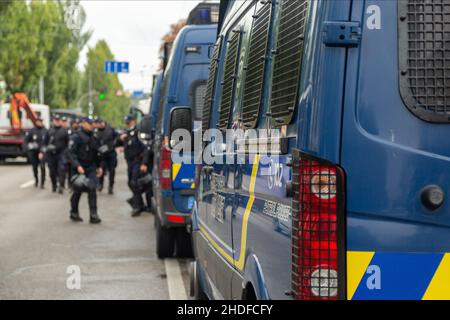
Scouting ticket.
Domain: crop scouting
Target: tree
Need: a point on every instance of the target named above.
(113, 108)
(171, 36)
(36, 42)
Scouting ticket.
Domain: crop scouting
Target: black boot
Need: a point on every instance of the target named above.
(61, 190)
(136, 212)
(130, 202)
(110, 190)
(95, 219)
(75, 217)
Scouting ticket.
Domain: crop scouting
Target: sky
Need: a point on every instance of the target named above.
(133, 30)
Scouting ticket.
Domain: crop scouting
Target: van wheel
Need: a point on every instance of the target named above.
(165, 240)
(183, 243)
(196, 290)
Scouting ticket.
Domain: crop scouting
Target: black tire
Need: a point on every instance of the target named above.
(183, 244)
(196, 290)
(165, 241)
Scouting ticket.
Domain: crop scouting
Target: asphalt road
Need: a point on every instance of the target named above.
(39, 245)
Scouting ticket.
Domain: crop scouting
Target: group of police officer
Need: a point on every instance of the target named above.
(84, 153)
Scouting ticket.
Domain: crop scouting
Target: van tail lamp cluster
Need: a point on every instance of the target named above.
(318, 229)
(175, 219)
(166, 168)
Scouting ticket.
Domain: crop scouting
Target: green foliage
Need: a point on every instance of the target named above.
(36, 42)
(112, 108)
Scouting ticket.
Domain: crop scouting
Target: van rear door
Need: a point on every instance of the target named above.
(396, 153)
(191, 88)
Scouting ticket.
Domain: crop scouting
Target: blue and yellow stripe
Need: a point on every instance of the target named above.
(402, 276)
(180, 172)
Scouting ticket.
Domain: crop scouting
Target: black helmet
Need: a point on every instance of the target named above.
(81, 183)
(145, 182)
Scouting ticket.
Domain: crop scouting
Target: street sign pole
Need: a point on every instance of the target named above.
(91, 105)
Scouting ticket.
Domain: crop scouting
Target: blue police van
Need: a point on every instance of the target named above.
(183, 86)
(352, 200)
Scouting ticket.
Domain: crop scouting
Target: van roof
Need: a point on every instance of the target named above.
(194, 34)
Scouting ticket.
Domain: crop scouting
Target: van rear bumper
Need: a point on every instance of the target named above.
(166, 209)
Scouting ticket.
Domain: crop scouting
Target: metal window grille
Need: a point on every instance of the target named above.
(256, 66)
(424, 51)
(210, 86)
(288, 60)
(198, 97)
(229, 79)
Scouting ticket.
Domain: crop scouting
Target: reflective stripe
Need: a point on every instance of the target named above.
(183, 176)
(398, 276)
(240, 263)
(357, 263)
(439, 288)
(175, 170)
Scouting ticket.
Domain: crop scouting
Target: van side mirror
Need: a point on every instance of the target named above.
(180, 118)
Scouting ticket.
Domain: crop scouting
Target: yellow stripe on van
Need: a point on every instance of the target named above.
(176, 167)
(239, 264)
(439, 288)
(357, 264)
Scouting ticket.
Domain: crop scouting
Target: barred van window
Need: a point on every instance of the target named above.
(211, 86)
(198, 97)
(229, 79)
(288, 60)
(424, 50)
(256, 66)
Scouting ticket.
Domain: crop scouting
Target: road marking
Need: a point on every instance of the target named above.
(177, 290)
(27, 184)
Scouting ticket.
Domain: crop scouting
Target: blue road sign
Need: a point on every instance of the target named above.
(117, 67)
(138, 93)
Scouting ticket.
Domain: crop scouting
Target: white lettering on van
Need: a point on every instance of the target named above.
(374, 19)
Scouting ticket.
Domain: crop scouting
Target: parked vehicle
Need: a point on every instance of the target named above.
(70, 114)
(355, 206)
(182, 90)
(16, 118)
(156, 99)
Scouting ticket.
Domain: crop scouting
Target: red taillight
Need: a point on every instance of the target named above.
(165, 168)
(175, 219)
(317, 229)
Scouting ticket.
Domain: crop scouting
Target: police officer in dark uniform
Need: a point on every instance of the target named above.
(56, 143)
(146, 167)
(34, 143)
(147, 137)
(134, 153)
(74, 128)
(85, 160)
(108, 138)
